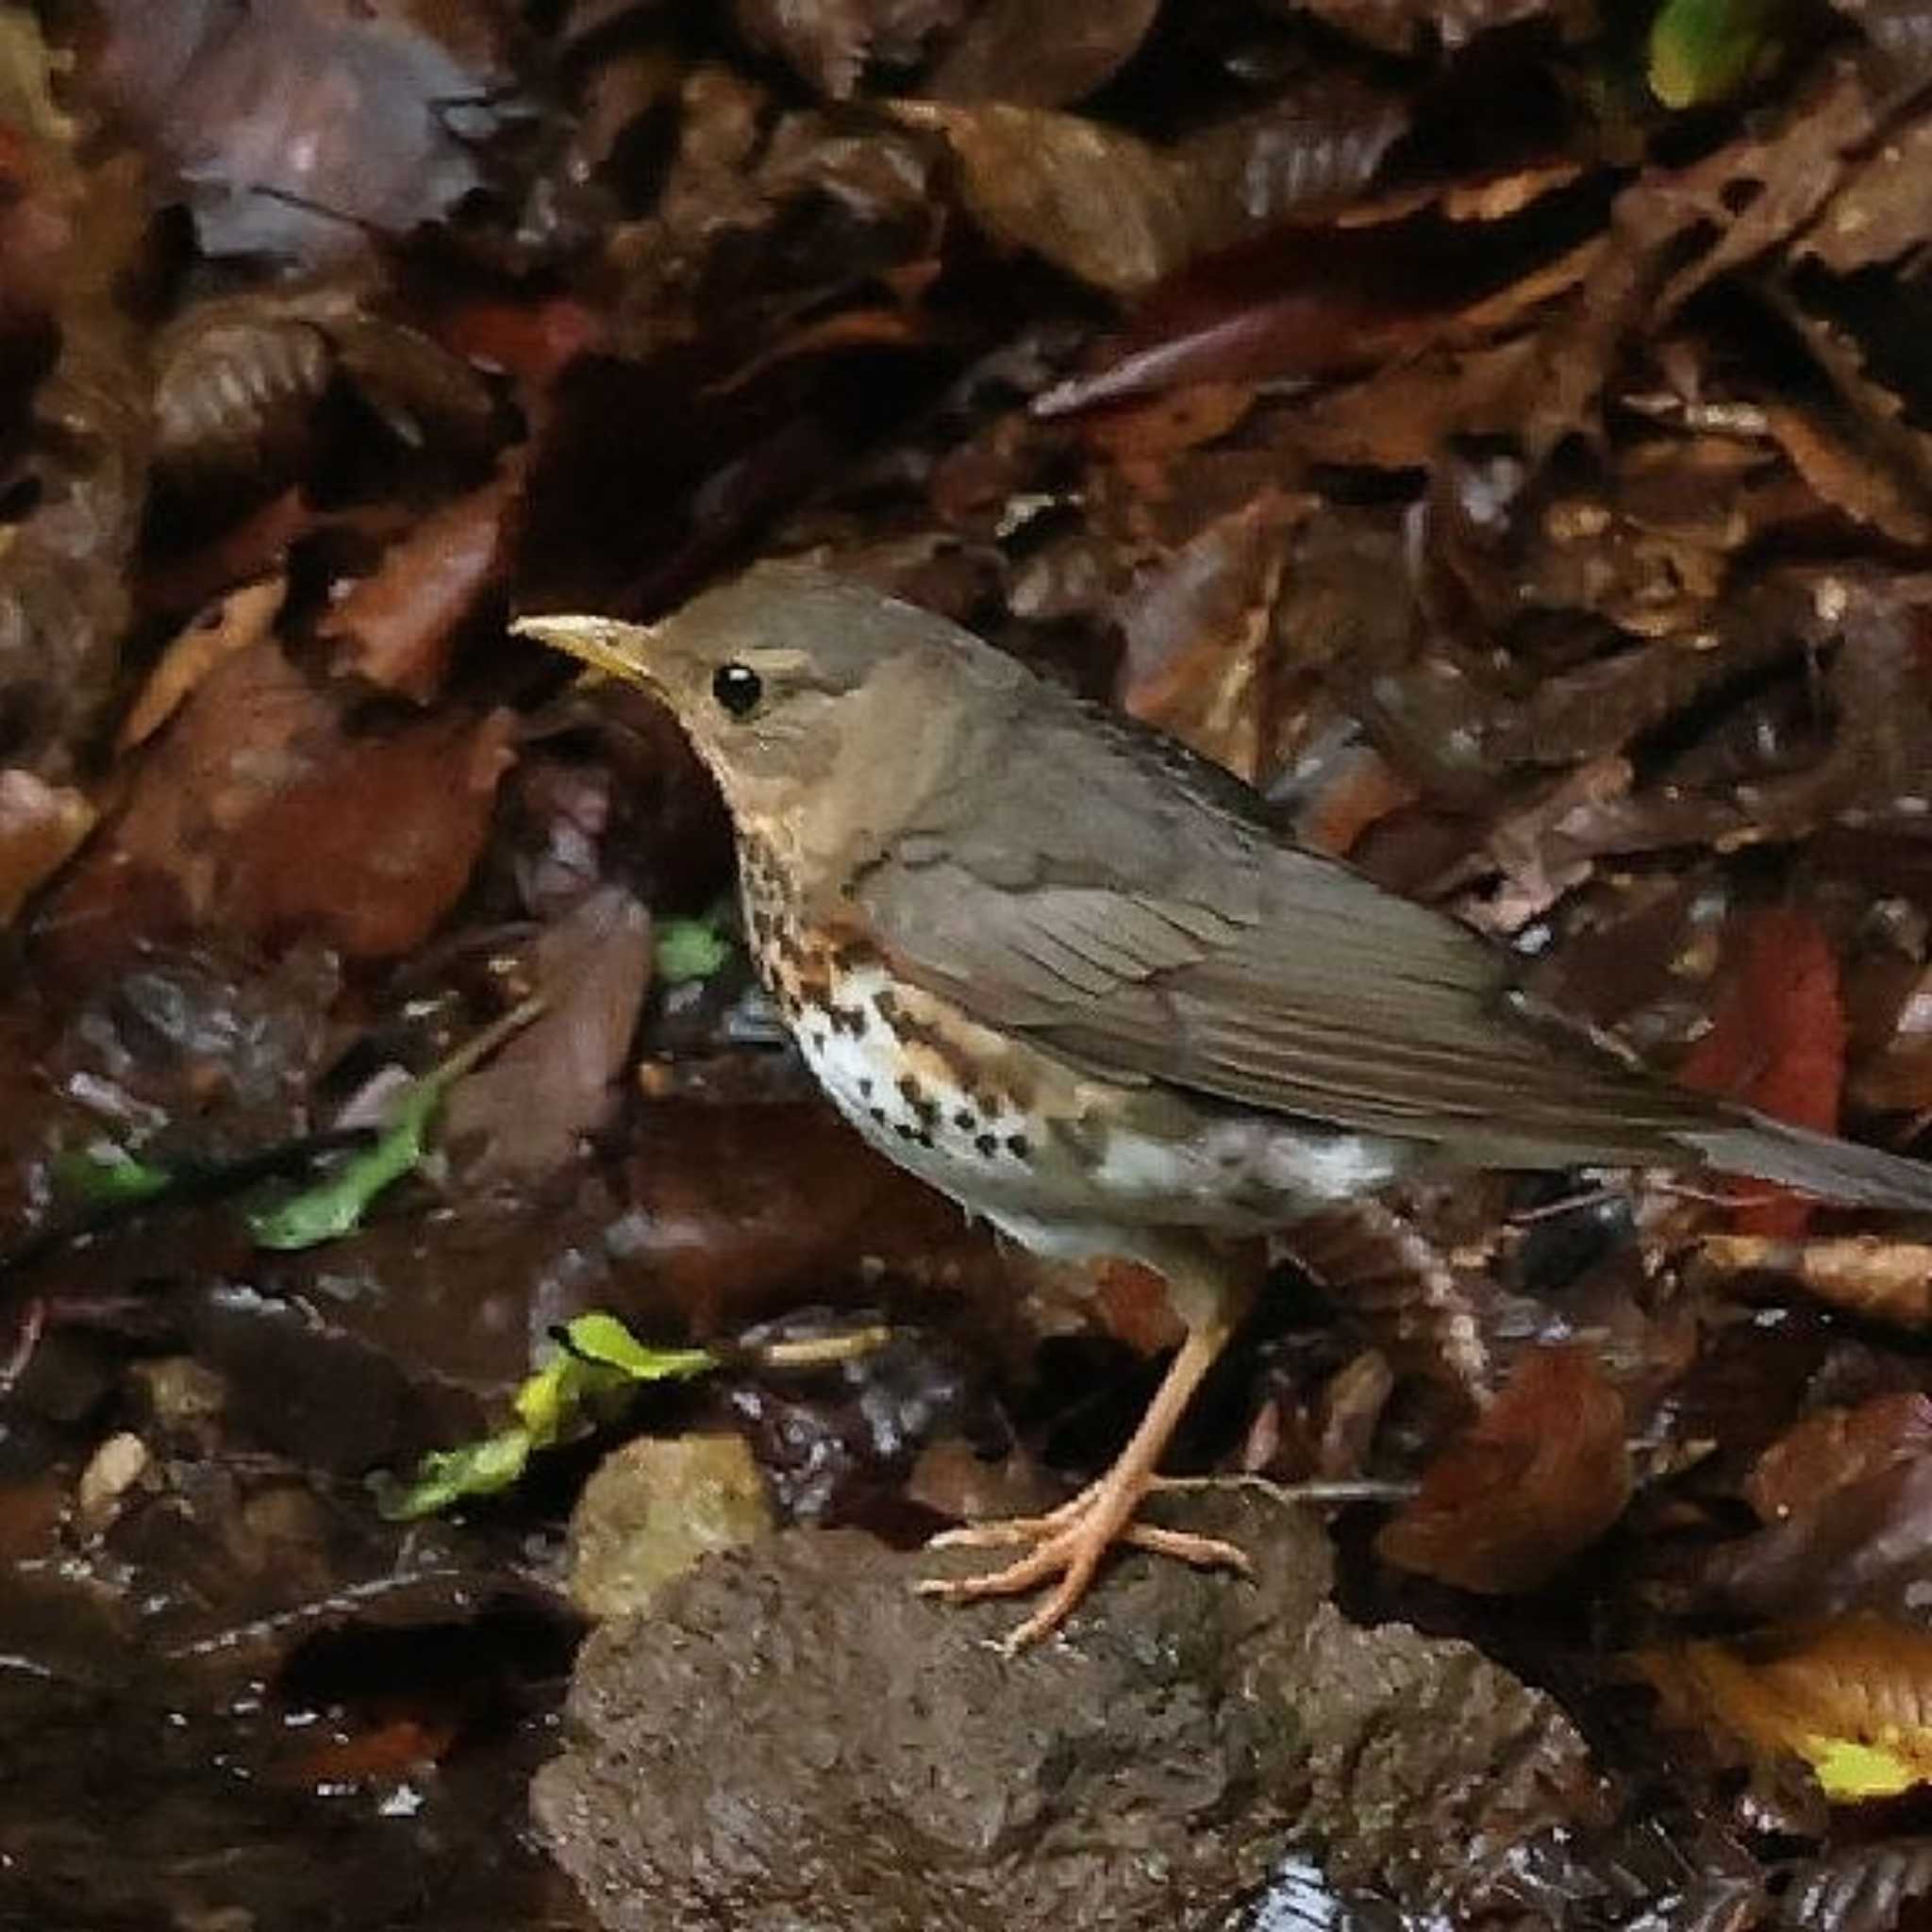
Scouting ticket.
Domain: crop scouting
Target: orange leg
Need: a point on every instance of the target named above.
(1070, 1542)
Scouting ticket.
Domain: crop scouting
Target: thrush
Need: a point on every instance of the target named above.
(1063, 970)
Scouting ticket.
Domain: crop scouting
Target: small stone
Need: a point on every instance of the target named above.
(652, 1509)
(116, 1466)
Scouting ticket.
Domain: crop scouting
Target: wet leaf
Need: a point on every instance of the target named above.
(1866, 1275)
(41, 826)
(533, 1106)
(1865, 1888)
(692, 949)
(1543, 1474)
(830, 42)
(593, 1369)
(399, 627)
(1110, 210)
(336, 1205)
(1881, 210)
(295, 127)
(1200, 635)
(1703, 50)
(1016, 50)
(1854, 1700)
(1776, 1039)
(240, 621)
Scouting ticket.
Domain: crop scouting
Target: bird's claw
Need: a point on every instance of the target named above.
(1070, 1544)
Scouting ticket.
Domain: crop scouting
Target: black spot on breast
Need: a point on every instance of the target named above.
(1019, 1146)
(988, 1145)
(905, 1130)
(965, 1119)
(865, 1088)
(878, 1113)
(846, 1019)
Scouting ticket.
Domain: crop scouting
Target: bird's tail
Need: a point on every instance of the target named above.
(1834, 1170)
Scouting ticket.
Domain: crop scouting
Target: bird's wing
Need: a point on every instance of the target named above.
(1140, 928)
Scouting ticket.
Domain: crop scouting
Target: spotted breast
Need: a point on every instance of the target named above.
(1064, 1161)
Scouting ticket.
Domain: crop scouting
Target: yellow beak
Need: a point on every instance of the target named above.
(617, 649)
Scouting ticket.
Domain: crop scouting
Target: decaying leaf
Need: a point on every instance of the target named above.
(237, 379)
(1836, 1448)
(240, 620)
(1846, 1498)
(1403, 26)
(1881, 208)
(1854, 1700)
(1863, 1888)
(295, 127)
(41, 826)
(1110, 210)
(831, 42)
(1199, 633)
(1541, 1476)
(1038, 57)
(531, 1108)
(1866, 1275)
(1777, 1040)
(399, 627)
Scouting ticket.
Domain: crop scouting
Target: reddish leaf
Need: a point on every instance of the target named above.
(1540, 1477)
(241, 620)
(399, 627)
(40, 827)
(372, 848)
(1776, 1042)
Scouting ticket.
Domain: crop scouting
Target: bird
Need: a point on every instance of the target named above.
(1066, 971)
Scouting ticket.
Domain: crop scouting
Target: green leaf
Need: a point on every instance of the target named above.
(588, 1379)
(335, 1206)
(106, 1176)
(1704, 50)
(691, 948)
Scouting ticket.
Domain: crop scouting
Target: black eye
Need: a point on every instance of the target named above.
(737, 688)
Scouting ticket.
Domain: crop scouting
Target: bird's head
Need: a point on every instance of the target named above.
(823, 708)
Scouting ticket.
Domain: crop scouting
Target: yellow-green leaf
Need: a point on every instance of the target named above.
(1704, 50)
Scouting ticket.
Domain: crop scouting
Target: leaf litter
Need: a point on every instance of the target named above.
(1530, 500)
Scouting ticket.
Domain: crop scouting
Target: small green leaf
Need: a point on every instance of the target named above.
(1704, 50)
(104, 1176)
(691, 949)
(335, 1206)
(585, 1382)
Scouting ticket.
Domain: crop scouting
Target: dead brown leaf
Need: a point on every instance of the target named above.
(1117, 213)
(1776, 1042)
(297, 126)
(399, 627)
(369, 849)
(1846, 1498)
(240, 621)
(829, 43)
(1199, 632)
(41, 826)
(1857, 482)
(1404, 26)
(557, 1081)
(1040, 57)
(1541, 1475)
(1854, 1700)
(1883, 207)
(1867, 1275)
(1836, 1447)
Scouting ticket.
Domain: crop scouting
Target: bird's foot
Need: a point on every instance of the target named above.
(1069, 1545)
